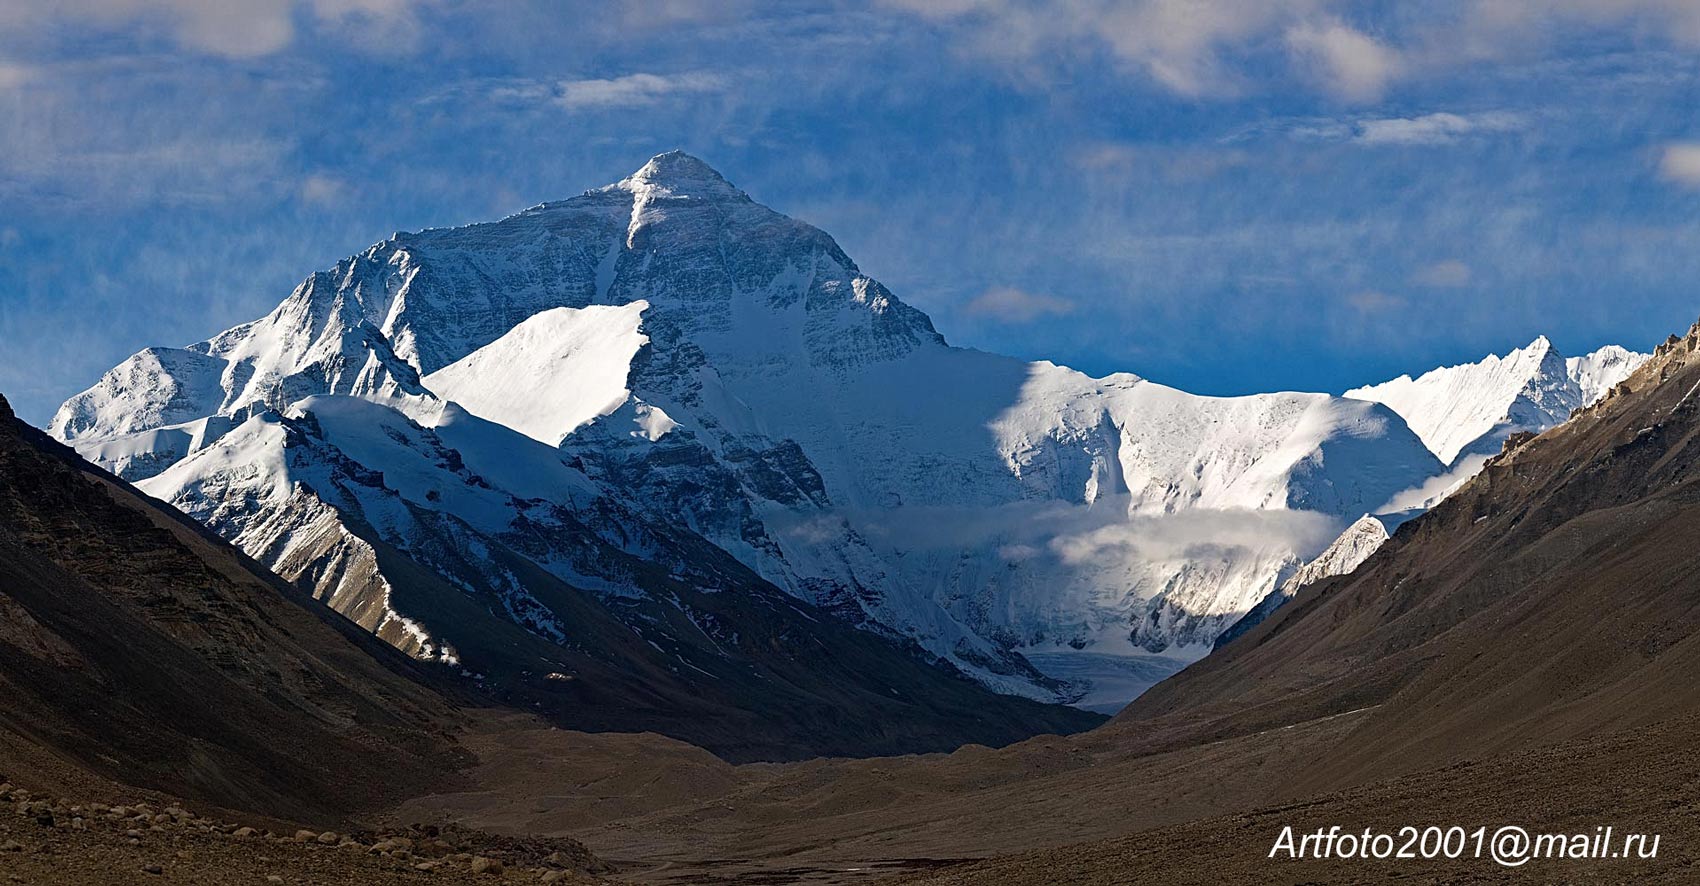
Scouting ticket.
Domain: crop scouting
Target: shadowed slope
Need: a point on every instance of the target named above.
(137, 647)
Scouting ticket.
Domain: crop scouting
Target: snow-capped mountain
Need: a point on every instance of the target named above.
(1468, 410)
(662, 372)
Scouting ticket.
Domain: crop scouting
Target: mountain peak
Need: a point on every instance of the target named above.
(1539, 356)
(681, 175)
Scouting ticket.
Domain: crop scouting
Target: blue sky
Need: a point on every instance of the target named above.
(1224, 195)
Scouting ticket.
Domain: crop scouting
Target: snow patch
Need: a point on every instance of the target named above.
(552, 373)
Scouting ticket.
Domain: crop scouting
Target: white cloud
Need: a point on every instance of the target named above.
(1449, 274)
(323, 190)
(230, 28)
(663, 13)
(1186, 534)
(1371, 301)
(1345, 62)
(1680, 163)
(939, 9)
(1433, 129)
(1006, 304)
(1438, 128)
(340, 10)
(1130, 162)
(13, 76)
(1211, 48)
(238, 30)
(1429, 492)
(634, 90)
(1078, 533)
(1183, 45)
(1493, 25)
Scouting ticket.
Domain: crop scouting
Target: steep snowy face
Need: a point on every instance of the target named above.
(713, 368)
(555, 371)
(1468, 410)
(154, 388)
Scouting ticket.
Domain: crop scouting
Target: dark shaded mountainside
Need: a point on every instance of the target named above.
(1527, 653)
(136, 648)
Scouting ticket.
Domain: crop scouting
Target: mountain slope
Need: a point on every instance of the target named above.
(137, 648)
(712, 368)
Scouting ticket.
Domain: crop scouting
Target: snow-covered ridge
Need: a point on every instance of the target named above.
(663, 362)
(1468, 410)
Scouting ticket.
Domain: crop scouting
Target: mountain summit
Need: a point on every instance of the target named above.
(679, 174)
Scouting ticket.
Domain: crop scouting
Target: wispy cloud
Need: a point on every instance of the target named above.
(1373, 301)
(320, 189)
(1448, 274)
(1184, 47)
(634, 90)
(1680, 163)
(13, 76)
(1353, 52)
(1502, 25)
(1191, 532)
(1434, 129)
(1129, 162)
(228, 28)
(1345, 62)
(1006, 304)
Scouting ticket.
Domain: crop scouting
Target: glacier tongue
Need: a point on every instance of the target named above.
(680, 362)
